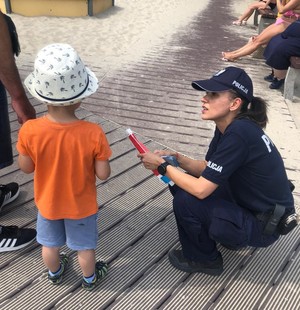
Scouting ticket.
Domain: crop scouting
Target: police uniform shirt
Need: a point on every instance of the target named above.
(245, 158)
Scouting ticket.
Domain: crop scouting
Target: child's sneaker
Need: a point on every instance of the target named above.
(100, 272)
(64, 261)
(8, 193)
(14, 238)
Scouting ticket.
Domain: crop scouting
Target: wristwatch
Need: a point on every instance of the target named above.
(162, 168)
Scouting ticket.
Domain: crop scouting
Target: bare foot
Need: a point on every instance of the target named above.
(237, 23)
(227, 57)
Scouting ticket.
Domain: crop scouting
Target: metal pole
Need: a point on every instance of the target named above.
(90, 7)
(7, 6)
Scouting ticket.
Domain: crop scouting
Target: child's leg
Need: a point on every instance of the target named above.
(92, 271)
(51, 235)
(51, 258)
(55, 262)
(87, 261)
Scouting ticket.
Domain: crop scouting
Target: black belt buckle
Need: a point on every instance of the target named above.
(287, 223)
(274, 219)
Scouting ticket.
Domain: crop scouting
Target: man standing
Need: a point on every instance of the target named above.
(11, 237)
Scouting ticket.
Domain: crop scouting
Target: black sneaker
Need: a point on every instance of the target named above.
(100, 272)
(276, 84)
(213, 268)
(269, 78)
(14, 238)
(8, 193)
(64, 261)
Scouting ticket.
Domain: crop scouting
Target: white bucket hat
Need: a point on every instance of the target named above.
(60, 77)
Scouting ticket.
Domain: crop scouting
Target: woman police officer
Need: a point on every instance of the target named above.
(241, 192)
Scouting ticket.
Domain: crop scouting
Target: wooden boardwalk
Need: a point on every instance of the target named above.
(137, 228)
(136, 223)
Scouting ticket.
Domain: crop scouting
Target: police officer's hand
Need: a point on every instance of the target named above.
(150, 160)
(164, 152)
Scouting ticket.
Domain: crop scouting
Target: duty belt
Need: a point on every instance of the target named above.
(278, 221)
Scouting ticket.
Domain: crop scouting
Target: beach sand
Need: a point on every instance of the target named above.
(122, 33)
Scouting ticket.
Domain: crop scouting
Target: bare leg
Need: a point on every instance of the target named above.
(87, 261)
(280, 74)
(51, 258)
(263, 38)
(240, 50)
(249, 11)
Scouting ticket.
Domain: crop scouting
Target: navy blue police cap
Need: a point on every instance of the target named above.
(229, 78)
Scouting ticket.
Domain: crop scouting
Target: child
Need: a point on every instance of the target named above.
(65, 153)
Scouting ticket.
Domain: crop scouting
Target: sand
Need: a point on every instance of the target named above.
(122, 33)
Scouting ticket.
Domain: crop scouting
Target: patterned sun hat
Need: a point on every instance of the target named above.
(60, 77)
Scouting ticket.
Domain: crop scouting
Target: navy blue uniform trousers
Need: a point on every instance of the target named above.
(202, 223)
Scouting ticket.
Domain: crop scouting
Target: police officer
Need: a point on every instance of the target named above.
(240, 194)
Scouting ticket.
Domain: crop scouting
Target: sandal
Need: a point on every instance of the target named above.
(237, 23)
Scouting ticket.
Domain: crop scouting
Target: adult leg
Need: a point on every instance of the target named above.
(11, 237)
(277, 54)
(193, 217)
(280, 74)
(202, 223)
(6, 156)
(249, 11)
(199, 252)
(263, 38)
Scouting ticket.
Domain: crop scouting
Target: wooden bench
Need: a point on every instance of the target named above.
(292, 75)
(69, 8)
(267, 17)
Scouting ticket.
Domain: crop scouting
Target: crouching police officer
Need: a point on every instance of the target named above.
(240, 195)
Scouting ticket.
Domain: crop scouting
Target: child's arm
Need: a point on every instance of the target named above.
(102, 169)
(26, 164)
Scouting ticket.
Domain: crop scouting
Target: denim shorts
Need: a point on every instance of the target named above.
(6, 155)
(79, 234)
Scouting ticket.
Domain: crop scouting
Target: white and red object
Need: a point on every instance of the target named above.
(143, 149)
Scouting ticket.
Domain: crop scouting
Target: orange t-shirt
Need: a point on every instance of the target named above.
(64, 156)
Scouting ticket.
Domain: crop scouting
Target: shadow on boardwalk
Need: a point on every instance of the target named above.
(136, 222)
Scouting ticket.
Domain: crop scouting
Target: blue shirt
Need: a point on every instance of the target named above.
(246, 159)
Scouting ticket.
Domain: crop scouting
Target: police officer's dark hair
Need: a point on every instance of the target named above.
(256, 110)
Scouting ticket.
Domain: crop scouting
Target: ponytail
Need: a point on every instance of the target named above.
(255, 111)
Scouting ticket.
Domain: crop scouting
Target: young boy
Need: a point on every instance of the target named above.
(65, 154)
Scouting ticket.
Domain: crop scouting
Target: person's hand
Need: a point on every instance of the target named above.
(164, 153)
(151, 160)
(23, 109)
